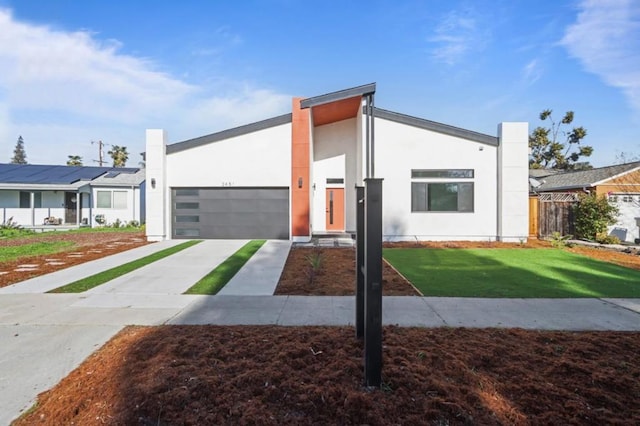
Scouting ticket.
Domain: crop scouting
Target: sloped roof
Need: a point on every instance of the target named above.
(229, 133)
(116, 178)
(436, 127)
(40, 174)
(584, 178)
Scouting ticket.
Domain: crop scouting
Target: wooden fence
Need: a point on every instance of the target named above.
(549, 213)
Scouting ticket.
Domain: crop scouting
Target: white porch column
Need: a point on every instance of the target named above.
(513, 178)
(156, 161)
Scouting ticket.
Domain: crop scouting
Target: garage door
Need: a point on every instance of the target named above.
(230, 213)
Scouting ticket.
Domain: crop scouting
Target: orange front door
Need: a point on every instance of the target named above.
(335, 209)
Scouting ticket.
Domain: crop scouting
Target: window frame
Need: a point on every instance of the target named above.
(426, 182)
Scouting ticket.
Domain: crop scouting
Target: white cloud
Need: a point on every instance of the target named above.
(532, 72)
(606, 39)
(60, 89)
(457, 34)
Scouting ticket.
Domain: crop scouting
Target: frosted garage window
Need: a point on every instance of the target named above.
(103, 199)
(185, 218)
(187, 232)
(187, 192)
(119, 199)
(187, 206)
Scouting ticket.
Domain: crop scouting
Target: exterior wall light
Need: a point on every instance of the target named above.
(299, 182)
(153, 183)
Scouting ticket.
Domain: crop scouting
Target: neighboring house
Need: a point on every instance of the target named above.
(619, 183)
(294, 176)
(36, 195)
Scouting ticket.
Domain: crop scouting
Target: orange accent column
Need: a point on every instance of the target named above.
(300, 170)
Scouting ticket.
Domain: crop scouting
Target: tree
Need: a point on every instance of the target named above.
(119, 155)
(547, 152)
(74, 160)
(19, 155)
(592, 216)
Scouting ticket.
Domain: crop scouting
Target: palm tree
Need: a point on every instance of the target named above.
(74, 160)
(119, 155)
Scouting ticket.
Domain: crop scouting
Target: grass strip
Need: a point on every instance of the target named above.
(213, 282)
(110, 274)
(522, 273)
(10, 253)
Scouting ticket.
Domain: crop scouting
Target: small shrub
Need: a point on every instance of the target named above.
(133, 224)
(593, 215)
(558, 240)
(603, 238)
(10, 224)
(116, 224)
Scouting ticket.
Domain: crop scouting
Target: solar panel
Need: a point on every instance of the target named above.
(46, 174)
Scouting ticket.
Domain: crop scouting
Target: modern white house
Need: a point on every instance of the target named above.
(294, 176)
(35, 196)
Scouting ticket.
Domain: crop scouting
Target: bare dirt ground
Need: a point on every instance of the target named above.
(200, 375)
(86, 246)
(212, 375)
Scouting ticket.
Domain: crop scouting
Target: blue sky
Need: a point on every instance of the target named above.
(74, 72)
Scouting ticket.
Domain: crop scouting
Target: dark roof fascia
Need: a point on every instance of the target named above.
(353, 92)
(229, 133)
(437, 127)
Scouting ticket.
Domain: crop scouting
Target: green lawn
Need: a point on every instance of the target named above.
(10, 253)
(110, 274)
(220, 276)
(526, 273)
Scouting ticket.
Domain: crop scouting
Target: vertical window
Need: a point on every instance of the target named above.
(103, 199)
(37, 199)
(25, 200)
(119, 199)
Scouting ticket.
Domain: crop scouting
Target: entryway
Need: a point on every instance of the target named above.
(70, 208)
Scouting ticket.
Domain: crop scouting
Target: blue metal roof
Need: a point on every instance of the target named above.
(58, 175)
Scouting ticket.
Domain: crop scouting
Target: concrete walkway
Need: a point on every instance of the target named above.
(45, 336)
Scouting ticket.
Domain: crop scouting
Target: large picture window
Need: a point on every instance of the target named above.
(111, 199)
(432, 195)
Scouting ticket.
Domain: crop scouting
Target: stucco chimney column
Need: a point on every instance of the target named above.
(156, 197)
(513, 175)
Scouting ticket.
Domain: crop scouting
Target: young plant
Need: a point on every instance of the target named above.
(558, 240)
(316, 260)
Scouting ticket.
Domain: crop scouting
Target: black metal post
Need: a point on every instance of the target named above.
(373, 282)
(359, 261)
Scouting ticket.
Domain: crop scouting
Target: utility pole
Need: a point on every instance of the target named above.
(100, 152)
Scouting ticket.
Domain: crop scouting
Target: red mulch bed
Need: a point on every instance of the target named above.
(335, 277)
(213, 375)
(87, 246)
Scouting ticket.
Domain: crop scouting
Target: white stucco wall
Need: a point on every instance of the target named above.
(156, 190)
(125, 215)
(400, 148)
(334, 156)
(262, 158)
(513, 178)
